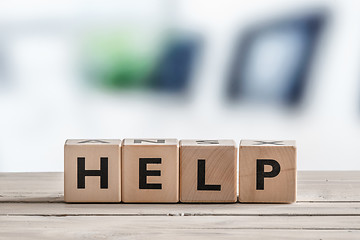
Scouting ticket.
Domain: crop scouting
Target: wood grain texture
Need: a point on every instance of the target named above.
(143, 227)
(92, 152)
(219, 158)
(328, 207)
(267, 171)
(167, 153)
(196, 222)
(32, 187)
(235, 209)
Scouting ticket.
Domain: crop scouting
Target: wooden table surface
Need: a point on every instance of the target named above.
(328, 207)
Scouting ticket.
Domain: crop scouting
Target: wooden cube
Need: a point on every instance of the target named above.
(150, 170)
(92, 170)
(208, 170)
(267, 171)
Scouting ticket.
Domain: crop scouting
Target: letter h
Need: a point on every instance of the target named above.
(82, 173)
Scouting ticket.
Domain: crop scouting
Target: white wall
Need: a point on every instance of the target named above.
(44, 103)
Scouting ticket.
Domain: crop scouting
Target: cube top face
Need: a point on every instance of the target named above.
(150, 171)
(267, 172)
(92, 171)
(207, 143)
(208, 171)
(267, 143)
(150, 142)
(91, 142)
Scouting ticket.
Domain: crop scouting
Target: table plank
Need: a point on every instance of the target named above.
(236, 209)
(313, 186)
(32, 187)
(179, 227)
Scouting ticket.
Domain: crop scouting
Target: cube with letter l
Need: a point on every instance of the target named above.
(208, 170)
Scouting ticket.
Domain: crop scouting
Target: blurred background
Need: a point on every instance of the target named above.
(232, 69)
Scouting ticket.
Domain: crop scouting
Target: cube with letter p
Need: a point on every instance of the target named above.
(267, 171)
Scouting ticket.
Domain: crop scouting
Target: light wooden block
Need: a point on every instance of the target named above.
(208, 170)
(267, 171)
(150, 170)
(92, 170)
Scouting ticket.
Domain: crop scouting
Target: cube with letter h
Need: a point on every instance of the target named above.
(267, 171)
(208, 170)
(92, 170)
(150, 170)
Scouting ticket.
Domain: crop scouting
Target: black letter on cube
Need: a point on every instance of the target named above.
(201, 178)
(143, 173)
(82, 173)
(149, 141)
(260, 174)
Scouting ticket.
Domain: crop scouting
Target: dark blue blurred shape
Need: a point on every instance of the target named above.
(173, 72)
(272, 61)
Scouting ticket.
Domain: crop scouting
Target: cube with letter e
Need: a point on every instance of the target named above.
(150, 170)
(267, 170)
(92, 170)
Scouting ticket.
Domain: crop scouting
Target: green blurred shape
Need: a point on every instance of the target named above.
(121, 59)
